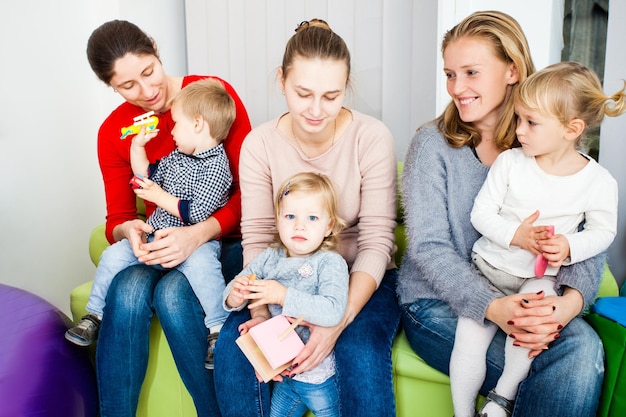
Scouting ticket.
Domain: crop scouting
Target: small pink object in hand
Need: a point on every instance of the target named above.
(541, 263)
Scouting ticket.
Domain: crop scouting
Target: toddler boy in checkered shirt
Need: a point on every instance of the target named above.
(187, 186)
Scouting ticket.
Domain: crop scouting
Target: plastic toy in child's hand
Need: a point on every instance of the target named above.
(133, 181)
(541, 263)
(146, 119)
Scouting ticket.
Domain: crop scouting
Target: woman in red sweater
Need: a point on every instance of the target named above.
(125, 58)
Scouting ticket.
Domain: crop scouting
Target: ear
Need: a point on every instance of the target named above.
(512, 74)
(574, 129)
(329, 229)
(281, 79)
(198, 123)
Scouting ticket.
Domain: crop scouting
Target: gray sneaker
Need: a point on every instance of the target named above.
(209, 362)
(85, 332)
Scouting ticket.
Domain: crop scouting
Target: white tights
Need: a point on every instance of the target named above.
(468, 361)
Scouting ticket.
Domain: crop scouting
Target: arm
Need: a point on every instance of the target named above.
(114, 161)
(138, 157)
(326, 306)
(485, 216)
(439, 234)
(600, 224)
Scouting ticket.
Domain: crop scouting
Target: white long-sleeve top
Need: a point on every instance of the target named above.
(516, 186)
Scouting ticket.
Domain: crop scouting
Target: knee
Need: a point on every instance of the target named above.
(171, 289)
(131, 290)
(578, 355)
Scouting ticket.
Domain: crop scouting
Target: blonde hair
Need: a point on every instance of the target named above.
(567, 91)
(309, 182)
(509, 44)
(208, 99)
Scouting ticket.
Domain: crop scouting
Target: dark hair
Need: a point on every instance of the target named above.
(315, 39)
(112, 41)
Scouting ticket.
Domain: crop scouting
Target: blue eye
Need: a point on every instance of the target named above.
(313, 218)
(289, 216)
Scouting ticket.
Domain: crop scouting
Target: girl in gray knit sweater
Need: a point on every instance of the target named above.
(299, 276)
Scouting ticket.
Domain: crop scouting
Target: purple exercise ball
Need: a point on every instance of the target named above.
(41, 374)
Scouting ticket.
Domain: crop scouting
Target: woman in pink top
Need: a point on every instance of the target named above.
(357, 152)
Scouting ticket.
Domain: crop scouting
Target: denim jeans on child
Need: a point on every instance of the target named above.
(291, 398)
(202, 269)
(362, 354)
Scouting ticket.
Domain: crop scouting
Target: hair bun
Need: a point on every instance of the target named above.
(313, 22)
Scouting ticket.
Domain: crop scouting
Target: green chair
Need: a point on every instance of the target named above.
(420, 390)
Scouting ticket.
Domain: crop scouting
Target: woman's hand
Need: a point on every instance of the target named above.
(173, 245)
(321, 343)
(529, 318)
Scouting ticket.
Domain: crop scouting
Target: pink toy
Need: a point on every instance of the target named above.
(541, 263)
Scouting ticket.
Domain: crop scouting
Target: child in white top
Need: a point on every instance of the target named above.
(545, 183)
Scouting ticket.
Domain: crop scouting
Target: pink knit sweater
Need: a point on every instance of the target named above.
(362, 165)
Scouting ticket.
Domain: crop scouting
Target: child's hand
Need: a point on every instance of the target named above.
(246, 326)
(555, 249)
(238, 291)
(136, 234)
(142, 138)
(150, 191)
(266, 291)
(528, 236)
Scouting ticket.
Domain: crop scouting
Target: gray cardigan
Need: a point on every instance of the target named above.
(439, 184)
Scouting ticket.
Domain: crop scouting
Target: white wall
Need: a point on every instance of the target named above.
(51, 105)
(395, 47)
(243, 42)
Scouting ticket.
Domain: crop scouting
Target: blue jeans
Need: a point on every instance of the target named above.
(135, 295)
(291, 398)
(365, 384)
(564, 380)
(202, 268)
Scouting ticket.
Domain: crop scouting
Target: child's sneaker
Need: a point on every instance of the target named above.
(209, 362)
(85, 332)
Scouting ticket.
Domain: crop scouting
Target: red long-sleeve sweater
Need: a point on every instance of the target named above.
(114, 159)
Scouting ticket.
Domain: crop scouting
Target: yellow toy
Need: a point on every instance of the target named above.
(146, 119)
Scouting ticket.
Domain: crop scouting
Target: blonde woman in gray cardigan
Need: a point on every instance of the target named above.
(485, 57)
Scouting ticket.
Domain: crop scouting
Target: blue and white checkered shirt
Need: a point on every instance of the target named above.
(201, 182)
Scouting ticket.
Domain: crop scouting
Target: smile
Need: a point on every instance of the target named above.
(466, 101)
